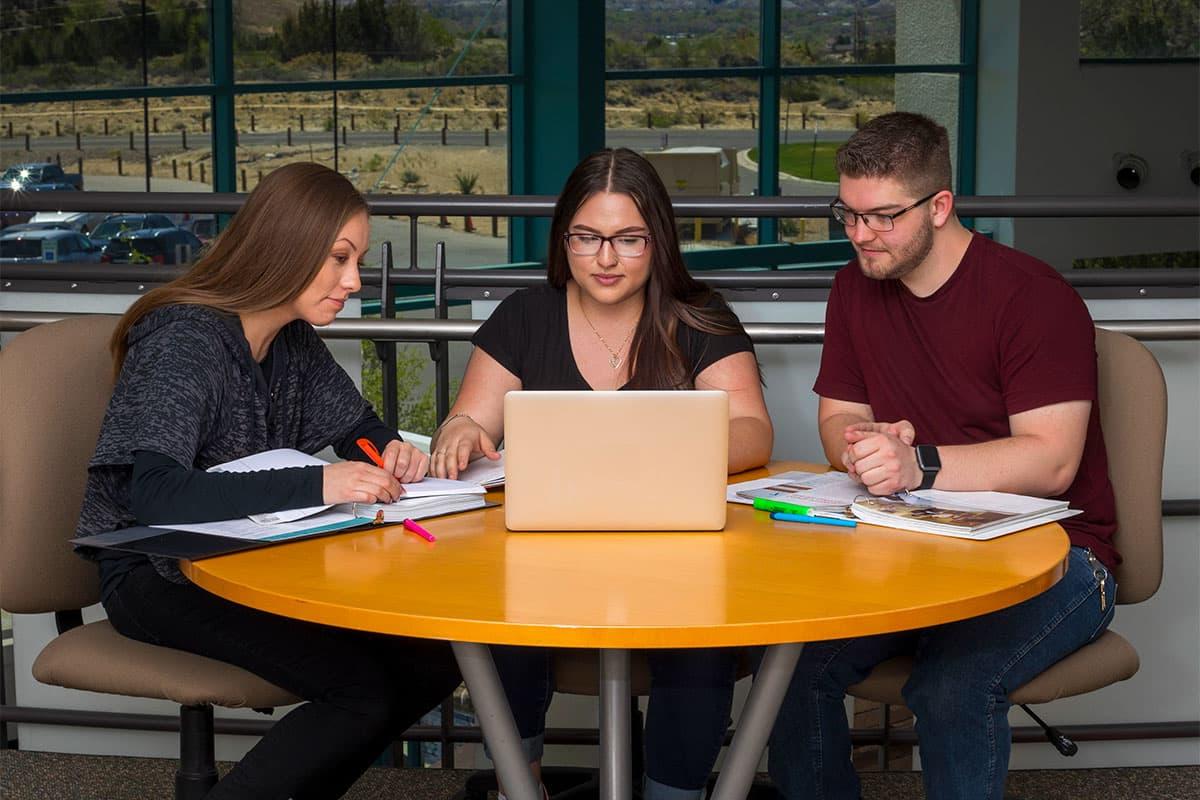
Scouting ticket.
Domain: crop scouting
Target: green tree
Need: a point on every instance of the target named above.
(1139, 28)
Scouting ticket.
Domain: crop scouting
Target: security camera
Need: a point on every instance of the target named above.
(1130, 170)
(1191, 164)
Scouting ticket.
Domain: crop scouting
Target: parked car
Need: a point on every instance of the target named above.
(46, 245)
(204, 228)
(155, 245)
(78, 221)
(37, 226)
(38, 176)
(115, 224)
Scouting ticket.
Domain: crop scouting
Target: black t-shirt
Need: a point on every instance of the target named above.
(528, 335)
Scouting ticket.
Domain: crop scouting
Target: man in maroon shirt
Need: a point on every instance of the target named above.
(952, 362)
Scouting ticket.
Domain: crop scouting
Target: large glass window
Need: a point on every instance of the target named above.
(696, 132)
(838, 32)
(1139, 29)
(810, 134)
(76, 44)
(670, 35)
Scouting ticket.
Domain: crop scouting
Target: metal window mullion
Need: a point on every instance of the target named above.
(224, 130)
(768, 117)
(968, 95)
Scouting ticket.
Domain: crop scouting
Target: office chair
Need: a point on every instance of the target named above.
(1133, 416)
(56, 381)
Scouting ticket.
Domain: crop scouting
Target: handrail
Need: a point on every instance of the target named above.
(461, 330)
(146, 274)
(815, 206)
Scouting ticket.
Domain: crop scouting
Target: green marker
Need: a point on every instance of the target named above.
(763, 504)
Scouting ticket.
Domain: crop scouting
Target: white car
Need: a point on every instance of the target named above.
(46, 246)
(78, 221)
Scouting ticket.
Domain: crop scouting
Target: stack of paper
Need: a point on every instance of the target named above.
(418, 507)
(485, 472)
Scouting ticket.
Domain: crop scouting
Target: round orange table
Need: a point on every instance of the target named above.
(758, 582)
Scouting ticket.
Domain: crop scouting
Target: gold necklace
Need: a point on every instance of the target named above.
(614, 356)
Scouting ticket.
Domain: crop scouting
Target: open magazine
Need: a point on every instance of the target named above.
(966, 515)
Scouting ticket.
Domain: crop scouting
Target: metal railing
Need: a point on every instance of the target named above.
(430, 205)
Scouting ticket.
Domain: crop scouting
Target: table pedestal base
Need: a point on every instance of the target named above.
(616, 759)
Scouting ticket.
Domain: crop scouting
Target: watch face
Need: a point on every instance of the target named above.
(927, 458)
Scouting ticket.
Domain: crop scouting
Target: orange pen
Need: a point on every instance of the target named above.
(368, 447)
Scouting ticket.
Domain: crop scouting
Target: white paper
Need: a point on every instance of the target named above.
(988, 501)
(244, 528)
(440, 486)
(282, 458)
(484, 471)
(832, 489)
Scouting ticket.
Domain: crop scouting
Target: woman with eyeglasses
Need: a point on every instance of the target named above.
(619, 311)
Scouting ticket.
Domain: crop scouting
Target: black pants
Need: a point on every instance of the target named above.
(362, 689)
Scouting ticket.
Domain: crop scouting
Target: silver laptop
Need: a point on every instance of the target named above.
(615, 461)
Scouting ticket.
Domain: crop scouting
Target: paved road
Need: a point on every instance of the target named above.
(635, 138)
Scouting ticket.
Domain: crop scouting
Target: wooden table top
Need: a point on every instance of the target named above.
(757, 582)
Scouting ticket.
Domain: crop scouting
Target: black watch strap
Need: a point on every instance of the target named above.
(930, 464)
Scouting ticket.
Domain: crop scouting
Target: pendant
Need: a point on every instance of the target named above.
(614, 361)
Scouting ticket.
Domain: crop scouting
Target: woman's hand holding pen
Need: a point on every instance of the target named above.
(458, 441)
(358, 482)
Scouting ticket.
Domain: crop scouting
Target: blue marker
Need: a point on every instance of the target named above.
(844, 523)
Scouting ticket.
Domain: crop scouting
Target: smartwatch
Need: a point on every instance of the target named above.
(930, 463)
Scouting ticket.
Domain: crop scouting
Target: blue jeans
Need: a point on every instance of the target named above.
(958, 690)
(691, 692)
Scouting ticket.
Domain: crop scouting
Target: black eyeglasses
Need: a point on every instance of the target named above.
(625, 245)
(874, 221)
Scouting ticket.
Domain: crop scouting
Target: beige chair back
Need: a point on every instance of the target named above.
(55, 382)
(1133, 416)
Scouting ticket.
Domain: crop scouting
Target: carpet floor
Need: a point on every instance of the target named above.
(55, 776)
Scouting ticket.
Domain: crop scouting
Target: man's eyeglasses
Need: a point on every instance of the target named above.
(625, 245)
(874, 221)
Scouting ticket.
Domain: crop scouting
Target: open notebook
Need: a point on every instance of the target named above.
(427, 498)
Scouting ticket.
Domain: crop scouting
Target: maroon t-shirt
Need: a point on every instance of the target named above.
(1005, 334)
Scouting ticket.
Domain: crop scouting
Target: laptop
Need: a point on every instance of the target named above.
(615, 461)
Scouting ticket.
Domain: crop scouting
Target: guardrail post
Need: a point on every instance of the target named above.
(387, 350)
(440, 350)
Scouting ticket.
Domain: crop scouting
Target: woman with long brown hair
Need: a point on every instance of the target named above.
(223, 363)
(620, 312)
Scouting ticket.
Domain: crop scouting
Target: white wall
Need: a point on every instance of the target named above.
(1072, 118)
